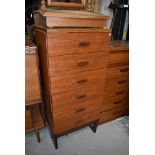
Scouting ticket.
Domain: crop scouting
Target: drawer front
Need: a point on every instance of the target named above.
(63, 125)
(116, 93)
(118, 57)
(86, 118)
(78, 101)
(106, 116)
(74, 81)
(77, 63)
(89, 109)
(69, 43)
(113, 103)
(74, 121)
(117, 71)
(120, 111)
(117, 83)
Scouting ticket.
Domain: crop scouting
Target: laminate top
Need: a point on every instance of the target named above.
(71, 14)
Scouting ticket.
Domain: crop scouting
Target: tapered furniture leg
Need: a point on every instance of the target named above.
(55, 142)
(54, 137)
(37, 135)
(93, 126)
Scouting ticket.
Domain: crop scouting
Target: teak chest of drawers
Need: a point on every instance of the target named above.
(34, 113)
(73, 64)
(116, 95)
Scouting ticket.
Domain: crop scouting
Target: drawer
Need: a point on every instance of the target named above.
(78, 119)
(74, 81)
(113, 103)
(69, 43)
(89, 108)
(117, 71)
(86, 118)
(120, 111)
(118, 57)
(63, 125)
(79, 101)
(106, 116)
(117, 83)
(116, 93)
(77, 63)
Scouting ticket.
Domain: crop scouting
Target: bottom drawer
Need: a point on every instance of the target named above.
(106, 116)
(86, 118)
(64, 125)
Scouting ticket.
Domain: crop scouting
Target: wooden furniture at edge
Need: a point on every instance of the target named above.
(73, 67)
(116, 96)
(34, 113)
(64, 18)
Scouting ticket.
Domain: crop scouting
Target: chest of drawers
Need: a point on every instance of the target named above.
(73, 63)
(116, 95)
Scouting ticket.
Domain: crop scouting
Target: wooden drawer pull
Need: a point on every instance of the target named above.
(82, 63)
(80, 110)
(117, 102)
(121, 82)
(81, 96)
(84, 44)
(117, 112)
(82, 81)
(124, 70)
(120, 92)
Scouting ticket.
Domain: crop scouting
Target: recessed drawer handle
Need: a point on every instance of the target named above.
(117, 102)
(81, 96)
(121, 82)
(82, 81)
(124, 70)
(80, 110)
(102, 112)
(120, 92)
(78, 122)
(84, 43)
(117, 112)
(82, 63)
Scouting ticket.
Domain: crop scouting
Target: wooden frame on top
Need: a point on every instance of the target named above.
(67, 5)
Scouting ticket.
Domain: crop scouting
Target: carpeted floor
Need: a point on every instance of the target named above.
(110, 139)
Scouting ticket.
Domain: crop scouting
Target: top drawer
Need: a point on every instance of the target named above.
(118, 57)
(77, 42)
